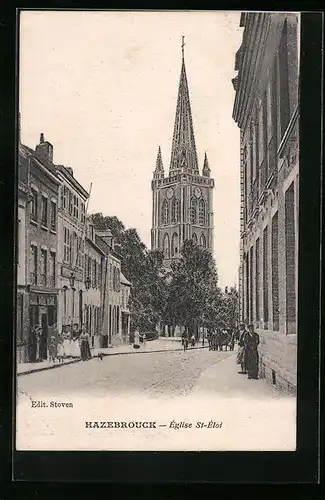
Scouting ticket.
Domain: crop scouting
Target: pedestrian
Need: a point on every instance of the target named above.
(52, 348)
(60, 349)
(144, 339)
(67, 343)
(240, 353)
(193, 340)
(75, 351)
(232, 340)
(136, 342)
(203, 339)
(251, 341)
(85, 352)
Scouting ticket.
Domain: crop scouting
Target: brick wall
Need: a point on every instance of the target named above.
(278, 359)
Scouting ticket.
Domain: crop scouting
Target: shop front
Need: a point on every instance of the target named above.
(43, 317)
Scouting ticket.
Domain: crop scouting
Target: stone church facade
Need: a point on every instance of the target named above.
(182, 203)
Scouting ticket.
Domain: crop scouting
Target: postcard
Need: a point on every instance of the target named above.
(157, 231)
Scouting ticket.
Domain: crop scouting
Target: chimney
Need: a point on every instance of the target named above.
(44, 149)
(106, 236)
(69, 169)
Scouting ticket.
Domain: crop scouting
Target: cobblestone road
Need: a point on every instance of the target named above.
(165, 373)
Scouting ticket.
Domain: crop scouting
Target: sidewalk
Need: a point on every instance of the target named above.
(159, 345)
(223, 379)
(255, 416)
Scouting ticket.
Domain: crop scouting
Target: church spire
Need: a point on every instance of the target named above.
(206, 169)
(183, 157)
(159, 170)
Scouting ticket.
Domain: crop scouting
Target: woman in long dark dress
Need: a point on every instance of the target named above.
(84, 346)
(251, 341)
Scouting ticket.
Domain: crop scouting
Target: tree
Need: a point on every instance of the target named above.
(194, 298)
(231, 306)
(143, 268)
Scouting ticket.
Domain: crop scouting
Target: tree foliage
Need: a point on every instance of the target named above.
(187, 294)
(143, 268)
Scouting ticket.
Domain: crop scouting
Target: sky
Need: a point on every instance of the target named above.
(102, 87)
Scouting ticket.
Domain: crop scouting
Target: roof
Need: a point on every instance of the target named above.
(183, 147)
(124, 281)
(62, 169)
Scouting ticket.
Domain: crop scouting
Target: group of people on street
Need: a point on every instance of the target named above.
(221, 338)
(68, 345)
(247, 355)
(185, 340)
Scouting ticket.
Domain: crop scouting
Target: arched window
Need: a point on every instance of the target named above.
(175, 210)
(193, 210)
(194, 238)
(166, 247)
(174, 244)
(202, 241)
(202, 212)
(165, 214)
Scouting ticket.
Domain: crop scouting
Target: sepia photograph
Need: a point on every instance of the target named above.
(157, 227)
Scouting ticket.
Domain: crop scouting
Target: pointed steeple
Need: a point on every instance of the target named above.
(159, 170)
(183, 156)
(206, 169)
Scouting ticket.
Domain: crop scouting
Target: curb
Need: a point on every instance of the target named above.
(51, 367)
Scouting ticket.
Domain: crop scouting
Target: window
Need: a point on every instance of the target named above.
(76, 207)
(89, 270)
(166, 246)
(34, 205)
(18, 241)
(257, 280)
(94, 273)
(194, 238)
(44, 211)
(284, 106)
(202, 212)
(67, 249)
(290, 243)
(83, 212)
(265, 279)
(43, 267)
(165, 212)
(33, 265)
(275, 272)
(53, 216)
(174, 244)
(193, 210)
(202, 241)
(111, 276)
(52, 269)
(70, 198)
(175, 210)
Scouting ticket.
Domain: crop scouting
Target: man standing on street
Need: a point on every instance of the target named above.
(251, 340)
(241, 345)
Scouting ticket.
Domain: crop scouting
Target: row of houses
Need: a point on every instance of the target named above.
(68, 273)
(266, 109)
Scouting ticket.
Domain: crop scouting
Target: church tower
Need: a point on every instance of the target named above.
(182, 201)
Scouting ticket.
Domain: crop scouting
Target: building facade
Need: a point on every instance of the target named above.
(182, 204)
(22, 297)
(266, 110)
(94, 281)
(71, 249)
(115, 294)
(40, 238)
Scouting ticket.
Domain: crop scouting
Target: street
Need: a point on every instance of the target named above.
(195, 399)
(163, 373)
